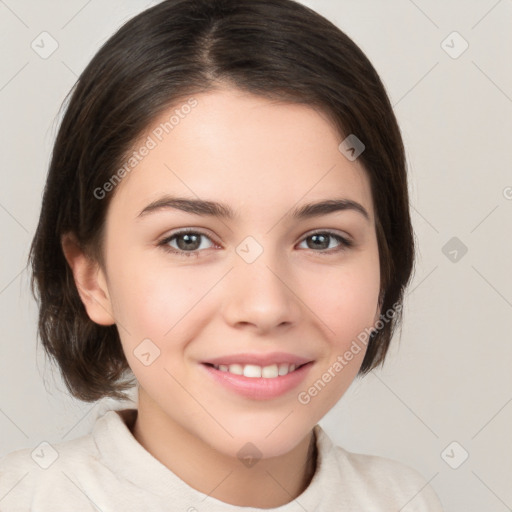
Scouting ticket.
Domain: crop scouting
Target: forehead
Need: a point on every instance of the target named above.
(243, 150)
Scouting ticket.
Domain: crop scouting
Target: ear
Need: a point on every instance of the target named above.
(90, 281)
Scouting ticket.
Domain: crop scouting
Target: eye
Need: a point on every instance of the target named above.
(320, 240)
(188, 243)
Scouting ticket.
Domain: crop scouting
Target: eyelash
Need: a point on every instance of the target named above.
(344, 243)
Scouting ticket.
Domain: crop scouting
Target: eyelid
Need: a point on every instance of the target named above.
(333, 232)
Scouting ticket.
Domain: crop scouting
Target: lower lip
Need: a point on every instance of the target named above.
(259, 388)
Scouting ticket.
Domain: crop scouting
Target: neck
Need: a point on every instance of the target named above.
(269, 483)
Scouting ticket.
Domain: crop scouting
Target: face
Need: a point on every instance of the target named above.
(189, 289)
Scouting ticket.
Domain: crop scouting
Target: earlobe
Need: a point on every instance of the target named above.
(90, 281)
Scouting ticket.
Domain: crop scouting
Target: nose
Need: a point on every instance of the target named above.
(261, 296)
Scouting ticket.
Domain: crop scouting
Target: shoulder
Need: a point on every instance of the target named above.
(379, 482)
(378, 469)
(31, 476)
(392, 480)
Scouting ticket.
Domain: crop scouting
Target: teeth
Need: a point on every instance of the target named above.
(251, 370)
(254, 371)
(237, 369)
(270, 372)
(283, 369)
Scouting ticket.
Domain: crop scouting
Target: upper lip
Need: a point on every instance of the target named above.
(259, 359)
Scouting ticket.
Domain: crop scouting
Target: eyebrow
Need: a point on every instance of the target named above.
(220, 210)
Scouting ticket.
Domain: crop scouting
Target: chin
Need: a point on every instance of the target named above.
(265, 438)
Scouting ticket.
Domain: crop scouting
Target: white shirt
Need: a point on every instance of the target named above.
(108, 470)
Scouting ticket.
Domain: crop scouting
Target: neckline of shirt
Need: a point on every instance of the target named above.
(126, 457)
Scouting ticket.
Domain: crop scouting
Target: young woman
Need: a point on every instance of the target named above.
(225, 225)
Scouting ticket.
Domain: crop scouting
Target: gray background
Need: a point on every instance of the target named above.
(447, 377)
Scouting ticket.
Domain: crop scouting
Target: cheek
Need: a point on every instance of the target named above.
(157, 302)
(346, 302)
(346, 299)
(158, 310)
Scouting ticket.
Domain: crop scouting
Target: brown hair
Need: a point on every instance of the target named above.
(278, 49)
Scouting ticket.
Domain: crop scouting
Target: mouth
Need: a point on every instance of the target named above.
(253, 371)
(256, 382)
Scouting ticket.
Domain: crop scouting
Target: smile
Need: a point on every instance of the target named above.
(254, 371)
(258, 382)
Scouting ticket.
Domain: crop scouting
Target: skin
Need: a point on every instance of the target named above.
(262, 158)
